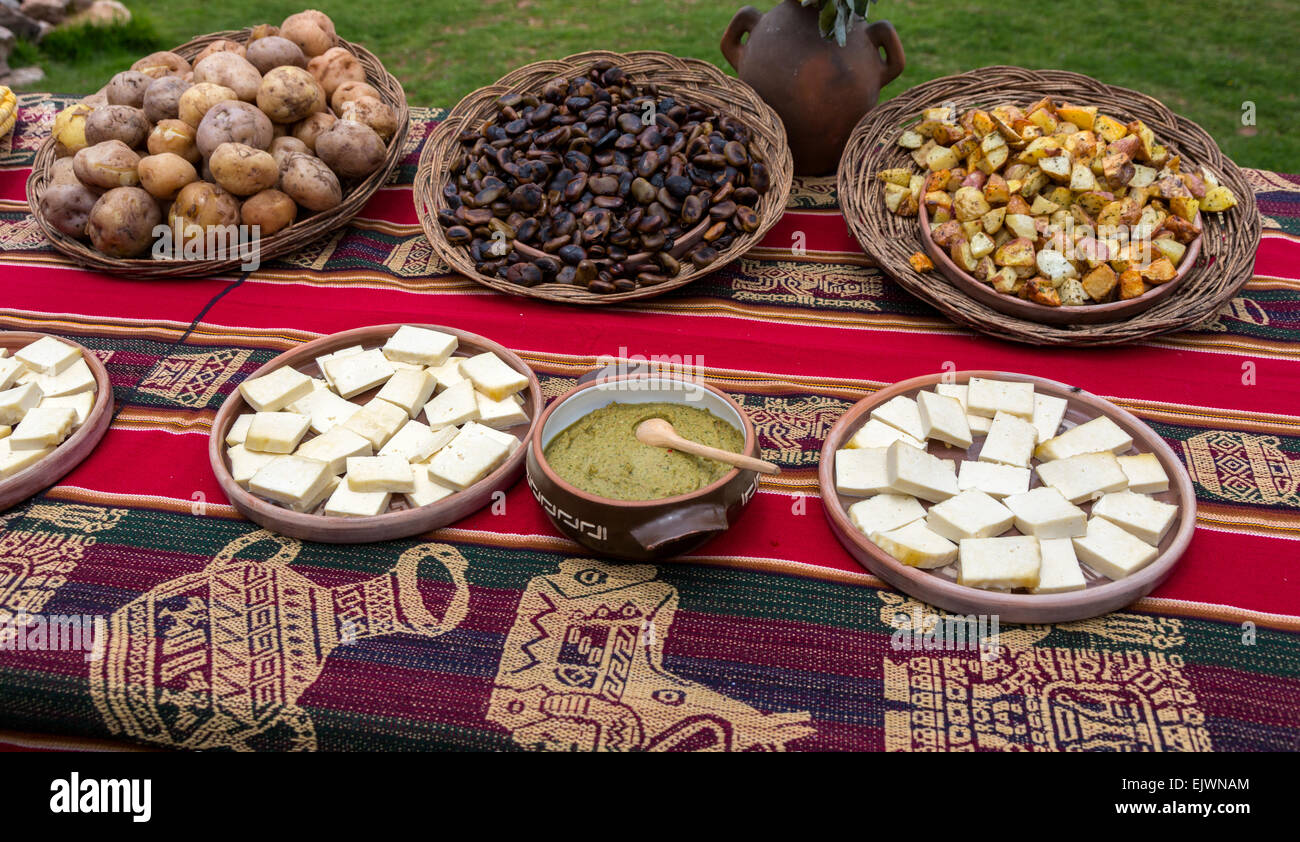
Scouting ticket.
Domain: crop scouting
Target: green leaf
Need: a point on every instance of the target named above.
(842, 24)
(826, 20)
(860, 7)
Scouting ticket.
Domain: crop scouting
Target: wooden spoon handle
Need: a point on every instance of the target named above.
(748, 463)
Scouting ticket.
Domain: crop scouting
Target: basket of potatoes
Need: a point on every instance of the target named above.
(236, 144)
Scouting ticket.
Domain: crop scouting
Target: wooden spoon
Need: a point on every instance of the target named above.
(657, 432)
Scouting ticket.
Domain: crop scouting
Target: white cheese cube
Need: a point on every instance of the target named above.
(1049, 412)
(81, 403)
(989, 397)
(310, 504)
(245, 463)
(1044, 513)
(971, 514)
(1000, 563)
(448, 374)
(884, 513)
(1010, 441)
(410, 389)
(420, 346)
(470, 457)
(1060, 570)
(915, 472)
(426, 490)
(10, 369)
(238, 431)
(979, 425)
(876, 433)
(13, 461)
(347, 502)
(861, 472)
(1094, 436)
(901, 412)
(73, 380)
(42, 428)
(1084, 477)
(291, 480)
(16, 402)
(357, 373)
(1145, 517)
(380, 473)
(335, 447)
(325, 408)
(415, 442)
(1145, 473)
(276, 432)
(491, 376)
(1111, 551)
(473, 430)
(377, 422)
(342, 352)
(452, 407)
(48, 355)
(916, 546)
(943, 418)
(502, 414)
(992, 478)
(275, 391)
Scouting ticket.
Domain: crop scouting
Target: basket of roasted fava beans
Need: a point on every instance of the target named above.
(603, 177)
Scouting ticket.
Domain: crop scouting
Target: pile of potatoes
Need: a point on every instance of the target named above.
(251, 133)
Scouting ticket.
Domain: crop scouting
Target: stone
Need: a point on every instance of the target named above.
(22, 77)
(21, 25)
(50, 11)
(100, 13)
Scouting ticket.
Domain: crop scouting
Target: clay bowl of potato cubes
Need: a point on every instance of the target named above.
(1061, 506)
(375, 433)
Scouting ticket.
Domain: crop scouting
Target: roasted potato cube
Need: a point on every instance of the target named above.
(1043, 206)
(959, 251)
(920, 155)
(1004, 280)
(1131, 284)
(901, 176)
(1083, 116)
(1072, 293)
(894, 196)
(1041, 291)
(1054, 266)
(1044, 119)
(1183, 230)
(945, 234)
(996, 191)
(1017, 252)
(1093, 201)
(946, 135)
(968, 203)
(1092, 251)
(1170, 248)
(1038, 149)
(1146, 140)
(992, 221)
(1082, 179)
(1185, 206)
(1159, 271)
(1108, 128)
(1195, 184)
(1035, 181)
(1100, 283)
(1017, 204)
(1143, 176)
(1022, 225)
(1218, 199)
(1056, 167)
(980, 245)
(981, 123)
(941, 158)
(921, 262)
(910, 140)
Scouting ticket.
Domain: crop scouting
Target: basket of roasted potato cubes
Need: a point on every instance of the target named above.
(1047, 207)
(233, 145)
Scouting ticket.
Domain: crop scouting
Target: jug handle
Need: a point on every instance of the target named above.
(743, 22)
(882, 34)
(677, 524)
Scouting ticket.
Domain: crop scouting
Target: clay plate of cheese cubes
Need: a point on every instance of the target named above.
(375, 433)
(996, 493)
(55, 406)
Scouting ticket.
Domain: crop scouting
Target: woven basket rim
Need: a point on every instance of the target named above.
(427, 193)
(301, 233)
(1231, 239)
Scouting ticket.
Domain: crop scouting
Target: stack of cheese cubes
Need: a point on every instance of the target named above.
(46, 393)
(309, 444)
(973, 503)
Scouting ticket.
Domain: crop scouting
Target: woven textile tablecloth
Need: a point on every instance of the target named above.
(770, 637)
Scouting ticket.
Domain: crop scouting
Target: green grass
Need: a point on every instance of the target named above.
(1203, 60)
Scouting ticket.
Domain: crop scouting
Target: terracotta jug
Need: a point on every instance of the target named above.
(819, 88)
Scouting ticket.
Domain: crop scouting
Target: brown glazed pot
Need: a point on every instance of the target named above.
(650, 530)
(819, 88)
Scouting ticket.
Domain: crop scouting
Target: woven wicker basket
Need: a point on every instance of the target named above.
(1228, 243)
(690, 80)
(283, 242)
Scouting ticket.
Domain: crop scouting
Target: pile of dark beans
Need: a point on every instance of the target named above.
(596, 181)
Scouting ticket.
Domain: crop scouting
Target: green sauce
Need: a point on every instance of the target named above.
(599, 453)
